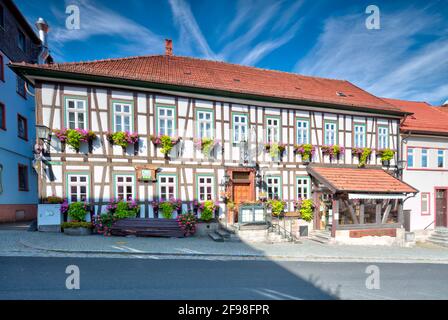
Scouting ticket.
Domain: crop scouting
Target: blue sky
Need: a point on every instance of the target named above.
(406, 58)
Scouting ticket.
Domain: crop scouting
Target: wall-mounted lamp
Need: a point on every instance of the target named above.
(43, 132)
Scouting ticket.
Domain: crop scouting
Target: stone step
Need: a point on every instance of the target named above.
(441, 233)
(224, 233)
(216, 237)
(438, 237)
(438, 242)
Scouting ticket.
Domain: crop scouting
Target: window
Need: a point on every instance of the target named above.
(410, 157)
(204, 123)
(21, 87)
(166, 117)
(21, 40)
(78, 184)
(331, 132)
(424, 158)
(425, 199)
(2, 69)
(205, 187)
(2, 17)
(122, 116)
(76, 113)
(273, 186)
(22, 127)
(239, 128)
(303, 127)
(303, 188)
(383, 137)
(360, 136)
(440, 158)
(2, 116)
(272, 130)
(167, 187)
(23, 177)
(124, 187)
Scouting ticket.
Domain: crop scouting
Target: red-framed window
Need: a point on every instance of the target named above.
(425, 203)
(21, 87)
(2, 116)
(2, 69)
(22, 127)
(23, 177)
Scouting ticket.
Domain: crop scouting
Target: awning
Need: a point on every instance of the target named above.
(375, 196)
(354, 180)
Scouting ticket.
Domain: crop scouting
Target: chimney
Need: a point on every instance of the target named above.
(168, 47)
(43, 28)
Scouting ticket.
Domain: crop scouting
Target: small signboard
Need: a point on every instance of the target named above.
(146, 173)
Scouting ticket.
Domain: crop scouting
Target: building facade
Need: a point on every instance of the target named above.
(242, 109)
(18, 180)
(425, 156)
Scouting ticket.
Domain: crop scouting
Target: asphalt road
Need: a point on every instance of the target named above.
(116, 278)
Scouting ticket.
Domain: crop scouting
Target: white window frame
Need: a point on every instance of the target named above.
(240, 128)
(208, 185)
(166, 120)
(164, 182)
(78, 184)
(303, 187)
(331, 131)
(204, 125)
(427, 195)
(76, 113)
(272, 130)
(424, 154)
(302, 132)
(272, 183)
(125, 184)
(121, 126)
(383, 137)
(359, 136)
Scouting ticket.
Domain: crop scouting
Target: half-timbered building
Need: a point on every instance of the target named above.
(242, 109)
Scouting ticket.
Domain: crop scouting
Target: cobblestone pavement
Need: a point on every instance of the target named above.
(24, 243)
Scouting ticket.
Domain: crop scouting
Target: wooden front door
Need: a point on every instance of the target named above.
(241, 192)
(441, 208)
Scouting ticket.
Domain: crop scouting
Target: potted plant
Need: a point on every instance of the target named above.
(208, 209)
(277, 207)
(363, 155)
(165, 142)
(116, 210)
(306, 151)
(74, 137)
(122, 138)
(167, 208)
(77, 226)
(276, 150)
(307, 210)
(187, 222)
(332, 151)
(206, 145)
(385, 155)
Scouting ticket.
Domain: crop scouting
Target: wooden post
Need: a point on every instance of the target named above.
(335, 222)
(378, 212)
(400, 212)
(361, 212)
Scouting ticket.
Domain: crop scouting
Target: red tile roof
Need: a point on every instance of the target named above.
(214, 75)
(425, 118)
(365, 180)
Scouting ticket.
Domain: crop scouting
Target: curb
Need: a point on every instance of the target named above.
(244, 256)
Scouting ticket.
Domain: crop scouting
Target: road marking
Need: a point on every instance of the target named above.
(132, 249)
(283, 294)
(186, 250)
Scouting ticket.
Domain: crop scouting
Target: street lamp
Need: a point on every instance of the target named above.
(43, 132)
(400, 167)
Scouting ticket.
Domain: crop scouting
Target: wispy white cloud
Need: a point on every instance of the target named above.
(100, 21)
(265, 47)
(243, 10)
(387, 62)
(189, 29)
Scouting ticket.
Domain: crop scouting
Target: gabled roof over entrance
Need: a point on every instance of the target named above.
(358, 180)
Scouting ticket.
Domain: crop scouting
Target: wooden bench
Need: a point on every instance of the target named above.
(142, 227)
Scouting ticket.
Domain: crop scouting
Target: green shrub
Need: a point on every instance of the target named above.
(307, 210)
(277, 206)
(76, 224)
(207, 210)
(124, 211)
(167, 209)
(74, 139)
(386, 154)
(53, 200)
(77, 211)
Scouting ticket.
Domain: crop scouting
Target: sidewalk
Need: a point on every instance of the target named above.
(194, 247)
